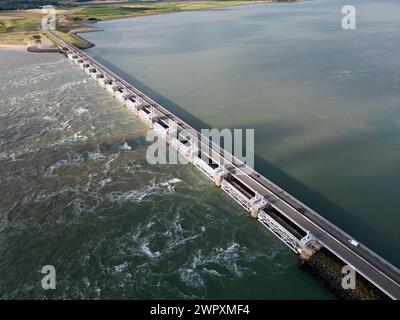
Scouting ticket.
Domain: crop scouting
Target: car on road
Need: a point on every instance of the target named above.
(353, 242)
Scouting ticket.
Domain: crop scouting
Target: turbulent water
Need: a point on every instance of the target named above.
(78, 194)
(324, 101)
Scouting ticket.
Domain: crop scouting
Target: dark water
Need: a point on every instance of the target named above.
(74, 196)
(324, 102)
(325, 106)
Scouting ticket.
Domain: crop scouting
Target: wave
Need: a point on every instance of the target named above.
(126, 147)
(70, 85)
(146, 250)
(191, 278)
(79, 111)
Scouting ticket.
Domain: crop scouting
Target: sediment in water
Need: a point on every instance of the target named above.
(328, 268)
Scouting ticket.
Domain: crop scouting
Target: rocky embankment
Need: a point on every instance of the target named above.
(328, 268)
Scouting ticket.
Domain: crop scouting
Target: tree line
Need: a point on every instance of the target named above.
(25, 4)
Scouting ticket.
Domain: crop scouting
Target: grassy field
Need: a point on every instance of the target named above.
(122, 10)
(19, 21)
(108, 13)
(18, 26)
(203, 5)
(71, 38)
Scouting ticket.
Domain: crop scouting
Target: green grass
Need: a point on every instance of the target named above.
(202, 5)
(70, 38)
(14, 24)
(28, 24)
(20, 25)
(103, 13)
(106, 13)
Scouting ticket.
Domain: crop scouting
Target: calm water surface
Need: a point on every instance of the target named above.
(77, 192)
(324, 102)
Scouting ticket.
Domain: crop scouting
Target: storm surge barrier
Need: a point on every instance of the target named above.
(302, 229)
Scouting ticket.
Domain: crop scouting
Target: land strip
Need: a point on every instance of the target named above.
(24, 27)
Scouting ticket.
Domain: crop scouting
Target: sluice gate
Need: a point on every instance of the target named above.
(302, 229)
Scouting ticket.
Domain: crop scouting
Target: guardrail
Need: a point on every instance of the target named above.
(240, 171)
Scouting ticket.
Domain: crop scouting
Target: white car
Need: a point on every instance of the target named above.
(353, 242)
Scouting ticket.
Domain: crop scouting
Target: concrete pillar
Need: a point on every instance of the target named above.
(136, 106)
(308, 245)
(136, 109)
(172, 131)
(219, 174)
(254, 212)
(258, 202)
(194, 150)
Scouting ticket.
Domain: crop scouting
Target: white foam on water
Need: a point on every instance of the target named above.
(130, 196)
(105, 181)
(72, 159)
(107, 165)
(170, 184)
(212, 272)
(226, 258)
(174, 180)
(150, 224)
(86, 281)
(146, 250)
(48, 118)
(138, 195)
(8, 156)
(69, 85)
(191, 278)
(76, 138)
(126, 146)
(64, 125)
(79, 110)
(97, 291)
(43, 196)
(121, 267)
(97, 155)
(79, 206)
(179, 242)
(57, 165)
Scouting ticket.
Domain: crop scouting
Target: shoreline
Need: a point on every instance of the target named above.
(43, 44)
(87, 26)
(325, 265)
(13, 46)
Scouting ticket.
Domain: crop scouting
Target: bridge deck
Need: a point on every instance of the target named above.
(374, 268)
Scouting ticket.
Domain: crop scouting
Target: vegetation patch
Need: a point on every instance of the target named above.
(15, 24)
(71, 38)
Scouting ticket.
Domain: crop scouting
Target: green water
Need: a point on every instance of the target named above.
(74, 196)
(324, 102)
(325, 106)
